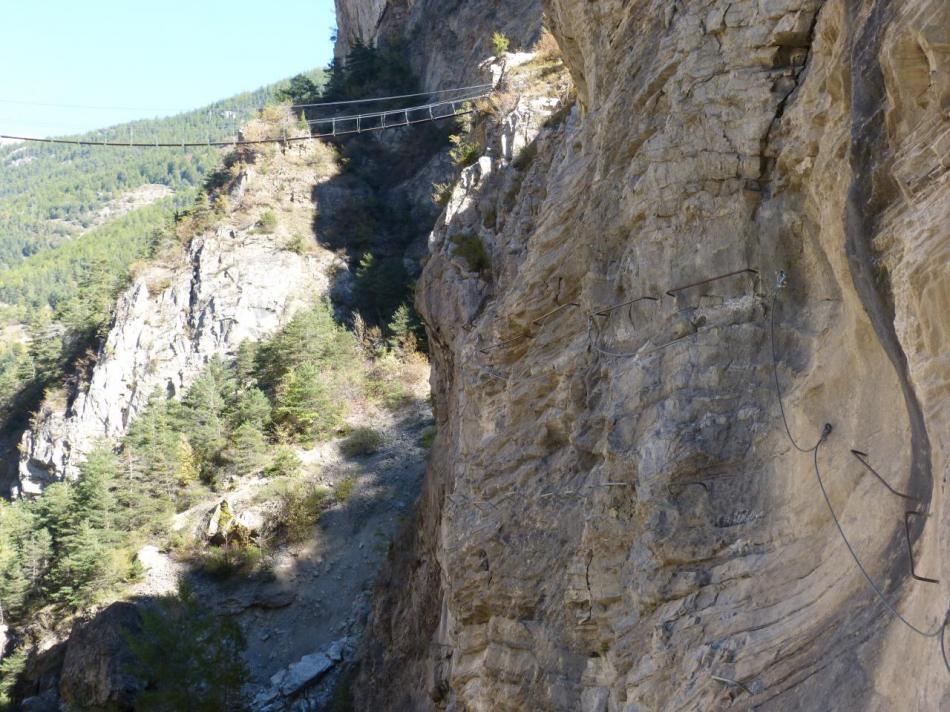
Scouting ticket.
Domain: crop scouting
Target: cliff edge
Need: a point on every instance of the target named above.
(747, 203)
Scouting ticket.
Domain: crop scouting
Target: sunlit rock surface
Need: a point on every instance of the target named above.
(614, 516)
(233, 283)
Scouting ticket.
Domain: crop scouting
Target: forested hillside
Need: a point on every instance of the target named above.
(68, 233)
(260, 412)
(51, 193)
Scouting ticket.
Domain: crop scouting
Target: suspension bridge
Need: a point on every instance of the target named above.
(321, 127)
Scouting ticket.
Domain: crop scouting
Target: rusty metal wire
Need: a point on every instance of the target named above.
(937, 632)
(864, 572)
(747, 270)
(683, 485)
(607, 310)
(780, 284)
(862, 458)
(543, 317)
(910, 548)
(502, 344)
(731, 683)
(706, 482)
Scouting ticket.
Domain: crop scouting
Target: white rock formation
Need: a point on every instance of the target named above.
(233, 284)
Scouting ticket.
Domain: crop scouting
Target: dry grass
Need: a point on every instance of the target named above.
(547, 47)
(362, 442)
(442, 193)
(156, 284)
(394, 382)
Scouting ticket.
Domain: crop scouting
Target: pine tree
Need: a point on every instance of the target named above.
(36, 553)
(14, 587)
(252, 407)
(244, 363)
(204, 406)
(54, 512)
(246, 449)
(311, 336)
(304, 405)
(155, 443)
(81, 570)
(46, 346)
(93, 500)
(11, 667)
(401, 335)
(87, 312)
(188, 469)
(190, 658)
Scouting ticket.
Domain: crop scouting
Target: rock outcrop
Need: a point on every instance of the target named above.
(447, 40)
(303, 685)
(235, 282)
(95, 668)
(616, 516)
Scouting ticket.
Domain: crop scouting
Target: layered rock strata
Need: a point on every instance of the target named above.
(615, 515)
(446, 39)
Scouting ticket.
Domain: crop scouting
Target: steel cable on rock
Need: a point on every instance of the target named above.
(778, 388)
(939, 631)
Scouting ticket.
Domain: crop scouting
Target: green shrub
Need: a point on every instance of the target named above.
(231, 561)
(268, 222)
(285, 463)
(297, 244)
(428, 437)
(300, 507)
(470, 248)
(341, 699)
(442, 193)
(499, 43)
(386, 383)
(189, 659)
(526, 156)
(362, 442)
(464, 151)
(344, 488)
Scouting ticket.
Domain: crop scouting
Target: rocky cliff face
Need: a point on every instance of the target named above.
(234, 282)
(447, 38)
(616, 516)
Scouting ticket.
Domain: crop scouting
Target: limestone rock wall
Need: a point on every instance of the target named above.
(447, 38)
(615, 517)
(356, 22)
(233, 283)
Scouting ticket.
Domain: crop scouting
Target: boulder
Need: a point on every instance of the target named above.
(94, 672)
(301, 673)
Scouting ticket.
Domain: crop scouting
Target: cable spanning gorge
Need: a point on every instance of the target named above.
(319, 128)
(617, 384)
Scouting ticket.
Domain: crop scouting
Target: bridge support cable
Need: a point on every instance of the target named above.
(334, 126)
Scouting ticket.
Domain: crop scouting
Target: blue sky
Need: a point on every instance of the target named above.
(156, 58)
